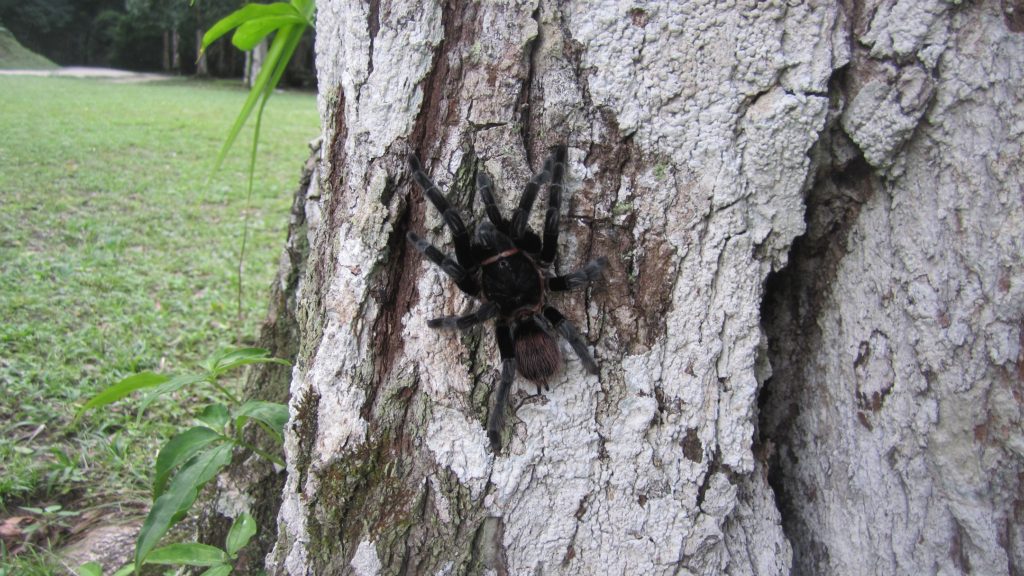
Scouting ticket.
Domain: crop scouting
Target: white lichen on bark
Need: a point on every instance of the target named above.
(365, 562)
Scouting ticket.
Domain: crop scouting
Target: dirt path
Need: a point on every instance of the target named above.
(111, 74)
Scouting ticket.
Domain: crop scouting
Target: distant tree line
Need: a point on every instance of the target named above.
(143, 35)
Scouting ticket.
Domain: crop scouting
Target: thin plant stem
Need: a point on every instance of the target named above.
(261, 453)
(231, 397)
(248, 205)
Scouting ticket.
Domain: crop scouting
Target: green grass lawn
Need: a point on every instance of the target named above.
(118, 255)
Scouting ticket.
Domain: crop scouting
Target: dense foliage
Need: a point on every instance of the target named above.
(144, 35)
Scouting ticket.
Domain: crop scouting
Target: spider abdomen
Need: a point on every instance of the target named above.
(537, 354)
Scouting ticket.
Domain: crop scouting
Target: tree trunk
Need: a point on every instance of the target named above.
(176, 51)
(253, 63)
(701, 138)
(166, 61)
(201, 66)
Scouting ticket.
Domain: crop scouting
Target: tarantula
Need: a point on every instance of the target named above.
(506, 266)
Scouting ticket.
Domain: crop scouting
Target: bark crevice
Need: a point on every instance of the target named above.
(794, 297)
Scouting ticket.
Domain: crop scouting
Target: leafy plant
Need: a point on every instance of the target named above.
(48, 518)
(216, 560)
(252, 24)
(64, 471)
(195, 456)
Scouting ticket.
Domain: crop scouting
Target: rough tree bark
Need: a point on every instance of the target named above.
(894, 414)
(702, 136)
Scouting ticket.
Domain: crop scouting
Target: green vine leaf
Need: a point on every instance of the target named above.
(188, 554)
(245, 14)
(215, 416)
(229, 358)
(274, 415)
(123, 388)
(254, 31)
(180, 449)
(242, 530)
(169, 386)
(172, 505)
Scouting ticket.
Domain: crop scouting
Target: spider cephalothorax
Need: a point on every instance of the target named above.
(505, 266)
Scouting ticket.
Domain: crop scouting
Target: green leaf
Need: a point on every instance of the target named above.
(222, 570)
(202, 468)
(306, 8)
(159, 520)
(245, 14)
(122, 389)
(215, 416)
(90, 569)
(189, 554)
(168, 387)
(243, 528)
(124, 570)
(254, 31)
(179, 449)
(274, 63)
(274, 415)
(179, 497)
(229, 358)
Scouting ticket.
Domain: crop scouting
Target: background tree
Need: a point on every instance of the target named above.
(132, 34)
(846, 403)
(169, 17)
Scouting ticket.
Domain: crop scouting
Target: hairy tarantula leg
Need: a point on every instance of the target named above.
(463, 252)
(568, 331)
(590, 272)
(482, 314)
(496, 420)
(485, 188)
(553, 215)
(463, 279)
(522, 212)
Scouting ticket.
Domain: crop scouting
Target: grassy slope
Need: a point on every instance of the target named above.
(14, 56)
(116, 255)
